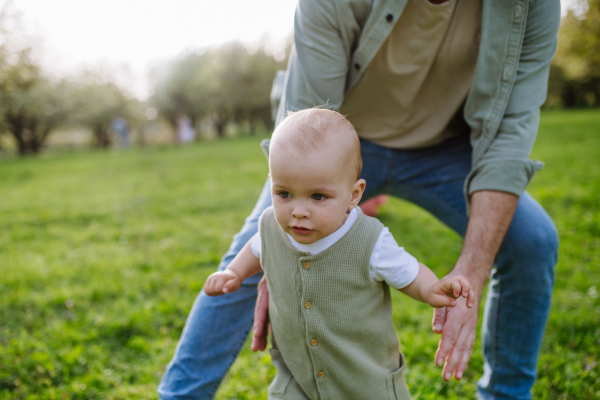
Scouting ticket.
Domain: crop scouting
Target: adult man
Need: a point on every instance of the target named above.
(402, 70)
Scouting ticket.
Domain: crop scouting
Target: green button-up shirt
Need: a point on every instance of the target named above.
(335, 40)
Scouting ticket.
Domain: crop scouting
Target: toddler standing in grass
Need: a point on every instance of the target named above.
(329, 268)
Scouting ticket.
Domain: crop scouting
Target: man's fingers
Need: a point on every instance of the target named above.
(466, 357)
(439, 319)
(460, 353)
(449, 336)
(259, 337)
(259, 343)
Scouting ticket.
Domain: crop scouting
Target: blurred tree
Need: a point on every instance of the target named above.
(98, 102)
(575, 75)
(180, 89)
(224, 85)
(31, 104)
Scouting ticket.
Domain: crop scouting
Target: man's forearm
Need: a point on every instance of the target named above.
(491, 215)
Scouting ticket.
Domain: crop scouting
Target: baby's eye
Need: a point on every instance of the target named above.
(318, 196)
(285, 195)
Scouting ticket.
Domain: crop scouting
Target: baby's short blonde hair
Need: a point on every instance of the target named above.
(314, 128)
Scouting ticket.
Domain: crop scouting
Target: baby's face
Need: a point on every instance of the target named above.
(312, 192)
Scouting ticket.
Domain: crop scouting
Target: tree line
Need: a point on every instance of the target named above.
(575, 70)
(215, 87)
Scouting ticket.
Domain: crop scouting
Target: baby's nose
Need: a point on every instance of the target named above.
(300, 212)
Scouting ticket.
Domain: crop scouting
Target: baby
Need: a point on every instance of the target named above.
(329, 268)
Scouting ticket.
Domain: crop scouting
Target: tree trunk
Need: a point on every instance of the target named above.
(220, 126)
(28, 148)
(102, 138)
(27, 142)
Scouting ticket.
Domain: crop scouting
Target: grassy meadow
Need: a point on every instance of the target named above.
(103, 253)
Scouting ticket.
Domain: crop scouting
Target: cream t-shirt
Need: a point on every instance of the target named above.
(412, 93)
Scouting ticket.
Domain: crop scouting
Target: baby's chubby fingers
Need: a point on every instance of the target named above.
(230, 285)
(215, 284)
(211, 285)
(465, 290)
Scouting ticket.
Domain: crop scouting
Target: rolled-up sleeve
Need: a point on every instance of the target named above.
(506, 165)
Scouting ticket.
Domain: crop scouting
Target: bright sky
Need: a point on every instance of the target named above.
(137, 34)
(141, 33)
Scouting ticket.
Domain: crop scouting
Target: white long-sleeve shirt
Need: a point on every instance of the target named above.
(389, 262)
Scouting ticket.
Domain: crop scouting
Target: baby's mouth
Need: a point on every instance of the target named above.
(300, 230)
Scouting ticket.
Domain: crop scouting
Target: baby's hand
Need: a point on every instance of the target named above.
(222, 282)
(445, 292)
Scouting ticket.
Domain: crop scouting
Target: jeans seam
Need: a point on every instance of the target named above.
(495, 333)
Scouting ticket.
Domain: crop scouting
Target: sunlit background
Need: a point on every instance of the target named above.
(136, 35)
(156, 72)
(129, 157)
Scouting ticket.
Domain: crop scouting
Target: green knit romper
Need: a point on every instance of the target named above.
(333, 337)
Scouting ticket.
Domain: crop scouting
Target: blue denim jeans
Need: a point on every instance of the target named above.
(516, 308)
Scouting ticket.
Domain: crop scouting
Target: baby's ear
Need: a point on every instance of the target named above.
(357, 191)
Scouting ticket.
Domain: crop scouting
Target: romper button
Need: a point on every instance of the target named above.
(357, 66)
(389, 18)
(306, 265)
(314, 342)
(321, 374)
(308, 304)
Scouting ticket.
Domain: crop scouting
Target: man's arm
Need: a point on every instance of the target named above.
(491, 214)
(496, 181)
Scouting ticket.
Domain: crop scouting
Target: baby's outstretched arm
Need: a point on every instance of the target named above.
(429, 289)
(244, 265)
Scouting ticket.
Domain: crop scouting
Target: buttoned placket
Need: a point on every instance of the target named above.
(313, 341)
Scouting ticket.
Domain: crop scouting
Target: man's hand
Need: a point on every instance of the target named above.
(222, 282)
(458, 327)
(261, 317)
(491, 215)
(445, 292)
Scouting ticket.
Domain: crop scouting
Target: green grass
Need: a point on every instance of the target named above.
(103, 253)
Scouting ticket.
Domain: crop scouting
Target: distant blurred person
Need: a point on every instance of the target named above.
(185, 131)
(121, 128)
(445, 96)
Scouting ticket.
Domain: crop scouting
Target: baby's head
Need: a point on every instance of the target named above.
(315, 164)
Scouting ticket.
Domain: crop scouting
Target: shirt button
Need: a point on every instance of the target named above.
(314, 342)
(308, 304)
(321, 374)
(357, 66)
(389, 18)
(306, 265)
(518, 10)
